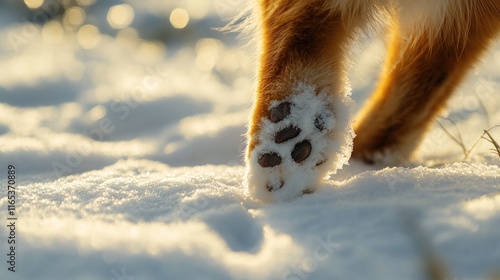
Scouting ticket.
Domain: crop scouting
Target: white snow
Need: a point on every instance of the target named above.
(129, 165)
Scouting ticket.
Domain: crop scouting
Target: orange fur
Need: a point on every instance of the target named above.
(420, 75)
(429, 53)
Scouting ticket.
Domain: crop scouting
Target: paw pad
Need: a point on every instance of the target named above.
(286, 134)
(319, 123)
(269, 160)
(279, 112)
(301, 151)
(298, 140)
(275, 186)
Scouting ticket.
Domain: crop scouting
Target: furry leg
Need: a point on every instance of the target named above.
(423, 68)
(300, 125)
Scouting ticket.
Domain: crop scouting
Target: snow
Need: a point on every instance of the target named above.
(129, 164)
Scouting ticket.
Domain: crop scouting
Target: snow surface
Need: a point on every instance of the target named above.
(129, 164)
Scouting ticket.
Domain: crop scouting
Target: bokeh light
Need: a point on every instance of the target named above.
(207, 50)
(52, 32)
(151, 50)
(97, 113)
(120, 16)
(33, 4)
(88, 36)
(85, 2)
(197, 9)
(179, 18)
(127, 36)
(74, 16)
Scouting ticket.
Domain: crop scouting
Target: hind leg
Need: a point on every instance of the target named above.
(300, 121)
(419, 76)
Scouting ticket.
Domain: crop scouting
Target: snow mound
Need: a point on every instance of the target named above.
(151, 221)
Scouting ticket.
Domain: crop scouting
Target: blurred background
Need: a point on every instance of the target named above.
(85, 83)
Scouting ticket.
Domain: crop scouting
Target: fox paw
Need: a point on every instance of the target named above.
(300, 139)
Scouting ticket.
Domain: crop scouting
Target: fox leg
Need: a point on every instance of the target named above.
(421, 72)
(300, 128)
